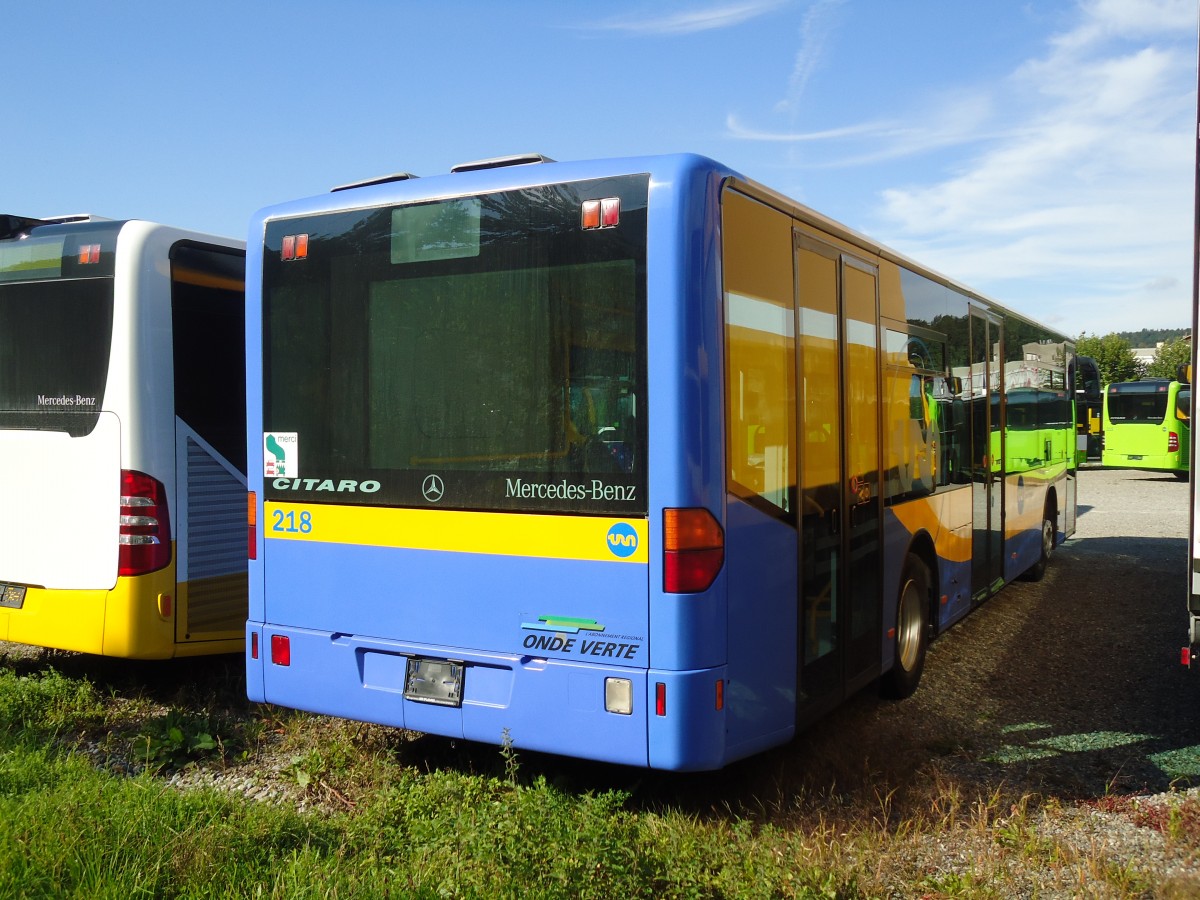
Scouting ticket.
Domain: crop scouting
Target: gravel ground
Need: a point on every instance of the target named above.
(1072, 687)
(1059, 707)
(1069, 693)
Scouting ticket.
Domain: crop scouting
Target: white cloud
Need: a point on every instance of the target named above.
(736, 129)
(1065, 189)
(1127, 19)
(688, 21)
(819, 21)
(1091, 188)
(958, 119)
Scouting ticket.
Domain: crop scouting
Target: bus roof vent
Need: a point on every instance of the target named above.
(19, 226)
(383, 179)
(10, 225)
(499, 162)
(77, 217)
(16, 226)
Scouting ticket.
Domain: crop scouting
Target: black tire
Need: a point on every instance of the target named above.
(912, 632)
(1037, 571)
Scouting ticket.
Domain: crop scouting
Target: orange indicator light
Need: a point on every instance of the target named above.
(591, 214)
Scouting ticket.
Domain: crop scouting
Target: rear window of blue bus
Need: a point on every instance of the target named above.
(481, 353)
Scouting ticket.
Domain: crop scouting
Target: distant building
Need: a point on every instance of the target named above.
(1041, 366)
(1145, 355)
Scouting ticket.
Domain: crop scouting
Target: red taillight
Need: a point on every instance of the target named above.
(254, 645)
(144, 532)
(660, 699)
(281, 650)
(252, 525)
(610, 212)
(693, 550)
(1172, 442)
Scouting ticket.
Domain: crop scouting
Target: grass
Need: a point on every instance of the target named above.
(383, 815)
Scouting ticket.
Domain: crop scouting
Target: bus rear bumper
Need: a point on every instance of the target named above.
(126, 621)
(528, 703)
(1160, 462)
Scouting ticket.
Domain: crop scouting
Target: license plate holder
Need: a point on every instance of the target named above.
(12, 596)
(437, 681)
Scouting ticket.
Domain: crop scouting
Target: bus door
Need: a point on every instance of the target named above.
(208, 316)
(840, 498)
(987, 452)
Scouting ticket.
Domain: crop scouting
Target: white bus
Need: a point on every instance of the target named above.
(1191, 651)
(122, 448)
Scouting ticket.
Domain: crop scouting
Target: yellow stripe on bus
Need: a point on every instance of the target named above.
(502, 534)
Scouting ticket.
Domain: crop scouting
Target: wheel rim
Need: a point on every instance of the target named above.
(1047, 537)
(909, 625)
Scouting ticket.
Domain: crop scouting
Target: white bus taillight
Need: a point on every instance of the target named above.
(144, 535)
(693, 550)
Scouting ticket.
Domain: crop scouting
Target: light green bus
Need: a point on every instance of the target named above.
(1147, 425)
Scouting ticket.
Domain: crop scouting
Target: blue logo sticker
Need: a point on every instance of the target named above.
(622, 540)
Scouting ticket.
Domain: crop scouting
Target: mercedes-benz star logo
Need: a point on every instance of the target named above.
(433, 488)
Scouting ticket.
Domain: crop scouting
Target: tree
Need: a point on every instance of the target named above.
(1113, 355)
(1170, 356)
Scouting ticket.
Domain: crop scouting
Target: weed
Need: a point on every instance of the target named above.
(509, 754)
(178, 739)
(306, 769)
(47, 703)
(950, 884)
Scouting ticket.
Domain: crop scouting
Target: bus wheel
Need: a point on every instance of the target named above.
(1038, 570)
(911, 634)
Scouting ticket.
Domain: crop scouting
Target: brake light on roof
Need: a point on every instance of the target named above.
(144, 529)
(604, 213)
(295, 246)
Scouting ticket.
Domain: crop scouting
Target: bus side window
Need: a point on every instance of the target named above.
(921, 411)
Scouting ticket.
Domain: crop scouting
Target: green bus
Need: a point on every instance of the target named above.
(1147, 425)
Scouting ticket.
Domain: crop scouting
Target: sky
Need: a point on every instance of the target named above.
(1041, 152)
